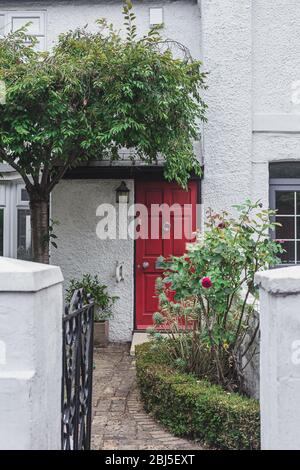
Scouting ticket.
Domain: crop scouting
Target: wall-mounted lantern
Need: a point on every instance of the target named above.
(122, 194)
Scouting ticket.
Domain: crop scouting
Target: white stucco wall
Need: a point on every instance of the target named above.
(276, 65)
(252, 50)
(227, 55)
(74, 205)
(181, 17)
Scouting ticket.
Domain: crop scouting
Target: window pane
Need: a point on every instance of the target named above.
(24, 235)
(1, 230)
(298, 229)
(284, 170)
(298, 202)
(289, 256)
(24, 195)
(287, 229)
(285, 203)
(298, 252)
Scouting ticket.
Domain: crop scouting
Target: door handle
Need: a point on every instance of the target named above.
(145, 265)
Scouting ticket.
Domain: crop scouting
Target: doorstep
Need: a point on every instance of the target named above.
(138, 337)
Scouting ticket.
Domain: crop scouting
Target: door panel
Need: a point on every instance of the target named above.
(168, 243)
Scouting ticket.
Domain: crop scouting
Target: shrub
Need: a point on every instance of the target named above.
(213, 285)
(195, 408)
(92, 285)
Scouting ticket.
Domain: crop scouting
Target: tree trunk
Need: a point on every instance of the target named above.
(39, 208)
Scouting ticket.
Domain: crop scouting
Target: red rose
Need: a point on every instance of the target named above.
(221, 225)
(206, 282)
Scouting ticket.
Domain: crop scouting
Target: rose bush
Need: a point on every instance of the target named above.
(211, 320)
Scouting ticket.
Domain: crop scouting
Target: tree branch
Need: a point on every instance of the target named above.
(16, 167)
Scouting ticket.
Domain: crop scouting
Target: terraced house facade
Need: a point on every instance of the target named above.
(249, 148)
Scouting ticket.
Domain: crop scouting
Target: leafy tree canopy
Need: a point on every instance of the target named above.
(93, 94)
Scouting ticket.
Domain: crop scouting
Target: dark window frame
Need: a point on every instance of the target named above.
(292, 185)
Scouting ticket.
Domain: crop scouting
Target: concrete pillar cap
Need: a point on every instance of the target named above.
(279, 281)
(24, 276)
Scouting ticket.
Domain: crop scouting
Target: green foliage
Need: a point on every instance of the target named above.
(91, 96)
(94, 94)
(92, 286)
(195, 408)
(51, 237)
(215, 293)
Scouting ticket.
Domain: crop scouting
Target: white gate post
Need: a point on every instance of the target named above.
(280, 358)
(31, 306)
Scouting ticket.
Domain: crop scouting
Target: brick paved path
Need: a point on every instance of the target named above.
(119, 421)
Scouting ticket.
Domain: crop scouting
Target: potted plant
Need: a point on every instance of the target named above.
(103, 304)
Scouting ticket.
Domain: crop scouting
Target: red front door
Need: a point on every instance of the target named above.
(162, 236)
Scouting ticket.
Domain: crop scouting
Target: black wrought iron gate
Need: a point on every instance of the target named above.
(77, 380)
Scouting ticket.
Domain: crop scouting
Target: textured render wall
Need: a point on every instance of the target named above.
(74, 205)
(252, 51)
(276, 65)
(181, 18)
(276, 43)
(227, 55)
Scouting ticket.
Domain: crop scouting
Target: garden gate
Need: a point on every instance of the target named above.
(78, 333)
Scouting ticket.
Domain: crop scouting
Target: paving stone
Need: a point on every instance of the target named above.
(119, 419)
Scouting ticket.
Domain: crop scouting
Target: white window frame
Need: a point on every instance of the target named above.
(19, 204)
(3, 207)
(4, 227)
(10, 201)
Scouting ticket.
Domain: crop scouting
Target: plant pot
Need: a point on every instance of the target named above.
(101, 330)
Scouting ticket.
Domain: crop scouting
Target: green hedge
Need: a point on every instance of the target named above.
(195, 408)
